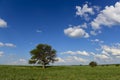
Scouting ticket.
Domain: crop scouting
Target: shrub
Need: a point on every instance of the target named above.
(93, 64)
(117, 65)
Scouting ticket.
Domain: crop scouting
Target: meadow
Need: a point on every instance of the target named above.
(59, 73)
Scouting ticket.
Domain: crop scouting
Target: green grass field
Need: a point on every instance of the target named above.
(60, 73)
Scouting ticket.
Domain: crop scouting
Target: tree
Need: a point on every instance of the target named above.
(42, 54)
(93, 64)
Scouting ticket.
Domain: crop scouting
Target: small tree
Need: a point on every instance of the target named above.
(117, 65)
(93, 64)
(43, 54)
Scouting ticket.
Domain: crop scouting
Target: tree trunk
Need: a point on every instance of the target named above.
(43, 66)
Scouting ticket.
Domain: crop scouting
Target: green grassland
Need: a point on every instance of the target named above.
(60, 73)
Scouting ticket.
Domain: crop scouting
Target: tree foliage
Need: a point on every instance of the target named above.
(93, 64)
(42, 54)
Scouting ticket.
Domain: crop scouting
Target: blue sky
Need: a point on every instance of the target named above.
(81, 31)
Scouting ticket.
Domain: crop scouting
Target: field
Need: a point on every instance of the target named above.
(60, 73)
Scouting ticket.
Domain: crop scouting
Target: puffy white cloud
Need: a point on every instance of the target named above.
(84, 53)
(84, 11)
(102, 56)
(7, 44)
(114, 50)
(60, 59)
(78, 59)
(108, 17)
(71, 60)
(3, 23)
(75, 59)
(1, 53)
(108, 54)
(76, 31)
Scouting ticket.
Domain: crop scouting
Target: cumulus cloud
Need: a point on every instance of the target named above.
(78, 59)
(7, 44)
(1, 53)
(114, 50)
(84, 11)
(84, 53)
(3, 23)
(106, 54)
(75, 59)
(71, 60)
(76, 31)
(108, 17)
(60, 59)
(101, 56)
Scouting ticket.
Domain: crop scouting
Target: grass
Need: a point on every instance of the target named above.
(60, 73)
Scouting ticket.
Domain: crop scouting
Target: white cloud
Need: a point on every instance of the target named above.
(114, 50)
(75, 59)
(1, 53)
(78, 59)
(10, 45)
(22, 60)
(97, 8)
(71, 60)
(107, 55)
(84, 25)
(108, 17)
(102, 56)
(76, 31)
(1, 44)
(84, 53)
(3, 23)
(84, 11)
(97, 41)
(94, 32)
(60, 59)
(7, 44)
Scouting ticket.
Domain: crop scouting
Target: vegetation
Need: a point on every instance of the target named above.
(93, 64)
(116, 64)
(59, 73)
(43, 54)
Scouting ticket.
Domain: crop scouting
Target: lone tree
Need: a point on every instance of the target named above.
(42, 54)
(93, 64)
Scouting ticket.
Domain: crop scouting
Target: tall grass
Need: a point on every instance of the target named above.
(60, 73)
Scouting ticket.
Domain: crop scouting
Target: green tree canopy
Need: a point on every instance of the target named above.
(42, 54)
(93, 64)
